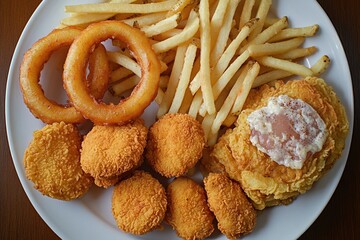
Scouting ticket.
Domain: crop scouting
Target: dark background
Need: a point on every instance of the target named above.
(339, 220)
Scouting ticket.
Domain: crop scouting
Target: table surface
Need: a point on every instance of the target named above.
(339, 220)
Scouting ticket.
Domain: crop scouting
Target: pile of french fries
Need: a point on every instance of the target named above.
(212, 52)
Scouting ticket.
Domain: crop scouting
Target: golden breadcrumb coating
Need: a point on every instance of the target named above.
(209, 163)
(264, 181)
(188, 212)
(139, 203)
(110, 151)
(233, 211)
(52, 162)
(175, 144)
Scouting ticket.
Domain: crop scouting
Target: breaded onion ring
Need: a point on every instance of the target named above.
(74, 73)
(33, 62)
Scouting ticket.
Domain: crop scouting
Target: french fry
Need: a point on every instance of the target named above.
(267, 33)
(164, 80)
(125, 85)
(297, 53)
(245, 88)
(229, 120)
(226, 107)
(226, 57)
(189, 31)
(295, 32)
(168, 34)
(159, 97)
(270, 49)
(262, 12)
(145, 20)
(121, 7)
(186, 102)
(270, 21)
(207, 122)
(321, 65)
(178, 7)
(175, 74)
(205, 35)
(125, 61)
(217, 20)
(161, 26)
(85, 18)
(120, 73)
(221, 83)
(224, 32)
(195, 104)
(285, 65)
(246, 12)
(184, 79)
(270, 76)
(122, 16)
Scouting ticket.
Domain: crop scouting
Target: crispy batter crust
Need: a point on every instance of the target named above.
(175, 144)
(265, 182)
(109, 151)
(188, 212)
(52, 162)
(233, 211)
(139, 203)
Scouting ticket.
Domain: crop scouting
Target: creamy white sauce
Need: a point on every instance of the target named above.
(288, 130)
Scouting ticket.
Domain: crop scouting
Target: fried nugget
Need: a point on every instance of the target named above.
(52, 162)
(188, 212)
(139, 203)
(264, 181)
(110, 151)
(233, 211)
(175, 144)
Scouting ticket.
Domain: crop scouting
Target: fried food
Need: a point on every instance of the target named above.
(143, 94)
(233, 211)
(210, 164)
(175, 144)
(110, 151)
(33, 62)
(188, 212)
(139, 203)
(52, 162)
(264, 181)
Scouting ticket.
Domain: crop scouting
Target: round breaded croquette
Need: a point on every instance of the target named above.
(52, 162)
(109, 151)
(235, 214)
(188, 212)
(175, 144)
(139, 203)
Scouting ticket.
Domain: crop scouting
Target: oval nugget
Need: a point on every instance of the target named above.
(52, 162)
(233, 211)
(188, 212)
(139, 203)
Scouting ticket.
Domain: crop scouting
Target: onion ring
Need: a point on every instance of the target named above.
(33, 62)
(74, 73)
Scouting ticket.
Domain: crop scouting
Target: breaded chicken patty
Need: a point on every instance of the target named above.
(110, 151)
(139, 203)
(233, 211)
(266, 182)
(175, 144)
(188, 212)
(52, 162)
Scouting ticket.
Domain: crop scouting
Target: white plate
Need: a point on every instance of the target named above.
(90, 217)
